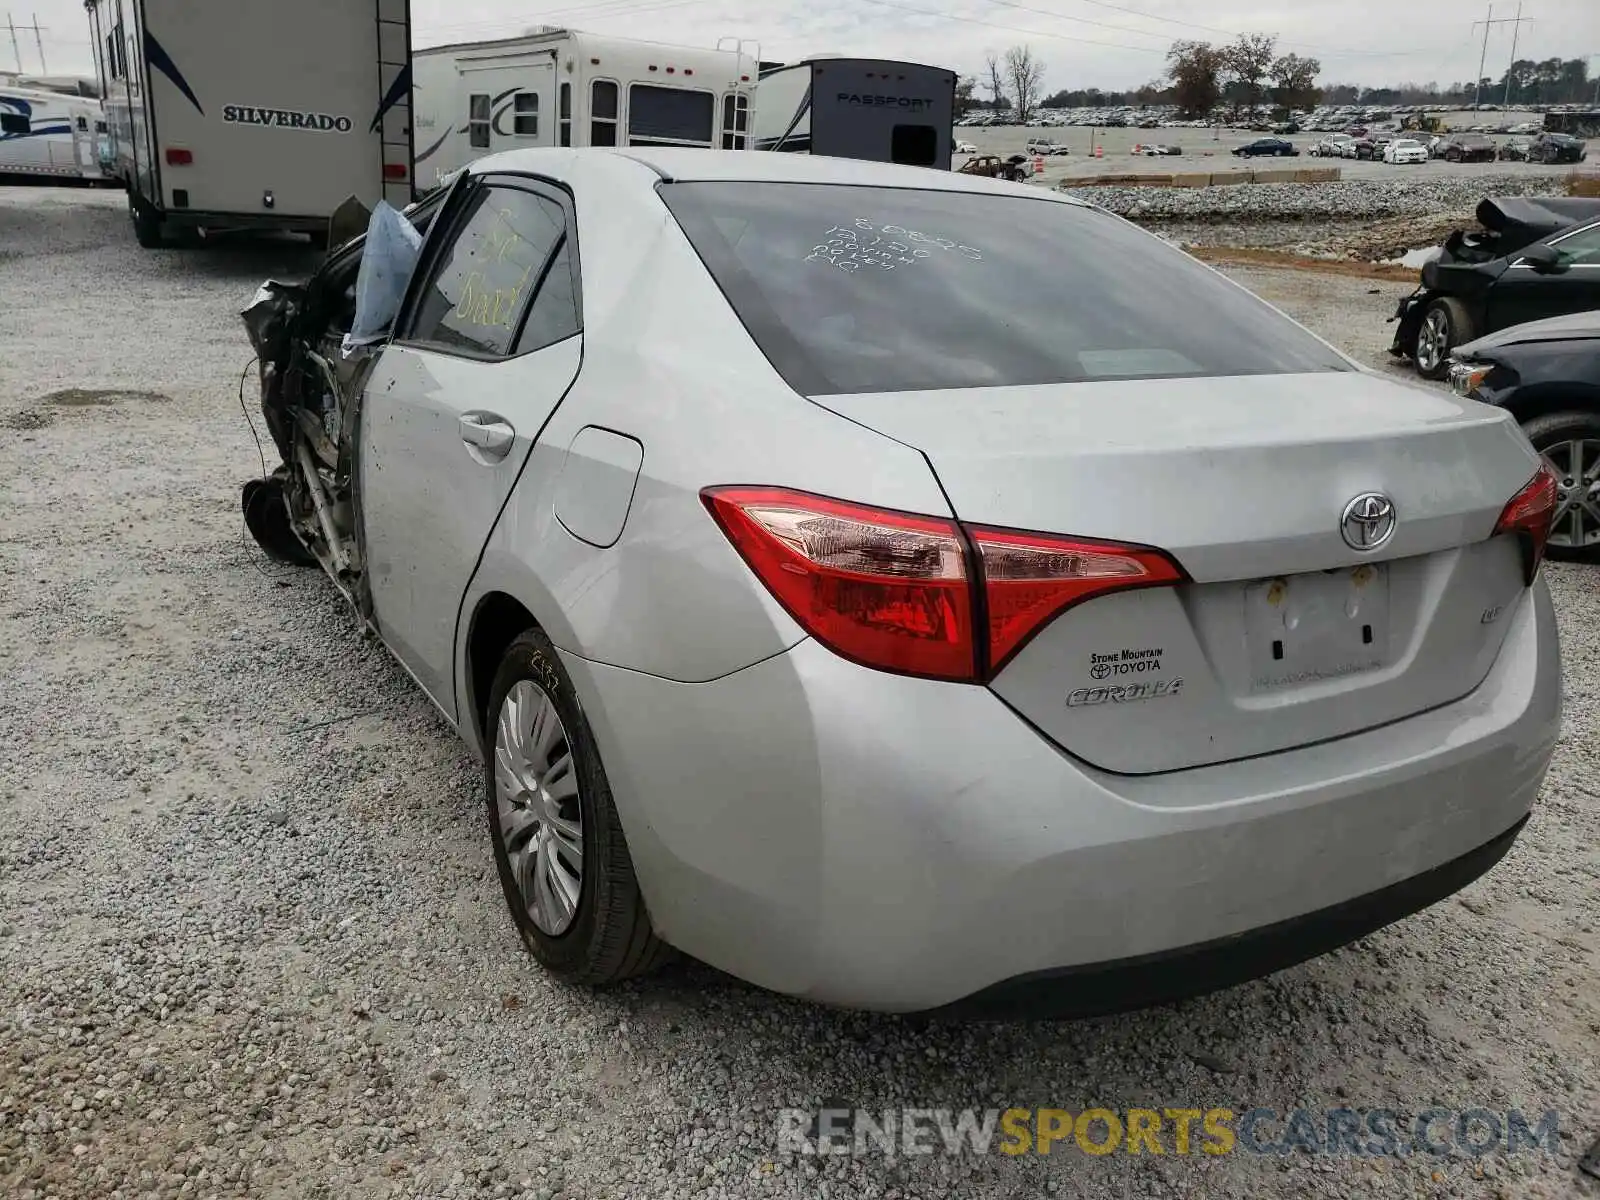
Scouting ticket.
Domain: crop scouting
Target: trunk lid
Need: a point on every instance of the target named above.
(1286, 635)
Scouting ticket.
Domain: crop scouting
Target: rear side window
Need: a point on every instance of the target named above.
(854, 289)
(481, 283)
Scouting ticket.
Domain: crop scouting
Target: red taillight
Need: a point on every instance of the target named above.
(899, 592)
(179, 158)
(1030, 578)
(1529, 515)
(887, 589)
(395, 171)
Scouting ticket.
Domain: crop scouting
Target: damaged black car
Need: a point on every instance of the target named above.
(1547, 375)
(1533, 258)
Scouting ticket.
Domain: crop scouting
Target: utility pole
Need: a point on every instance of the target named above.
(1516, 28)
(38, 37)
(1488, 24)
(1477, 95)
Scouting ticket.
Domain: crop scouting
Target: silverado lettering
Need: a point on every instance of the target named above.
(285, 118)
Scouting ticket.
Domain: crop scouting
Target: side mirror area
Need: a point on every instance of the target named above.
(1546, 260)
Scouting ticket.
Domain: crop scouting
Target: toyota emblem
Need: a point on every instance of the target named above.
(1368, 521)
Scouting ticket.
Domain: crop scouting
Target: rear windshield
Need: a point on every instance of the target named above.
(860, 289)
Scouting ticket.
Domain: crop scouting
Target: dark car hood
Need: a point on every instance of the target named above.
(1534, 216)
(1572, 327)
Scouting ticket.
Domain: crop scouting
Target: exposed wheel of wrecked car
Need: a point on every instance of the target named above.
(268, 522)
(558, 844)
(1445, 325)
(1569, 442)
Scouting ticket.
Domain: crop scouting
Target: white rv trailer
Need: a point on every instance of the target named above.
(228, 115)
(46, 134)
(560, 87)
(872, 109)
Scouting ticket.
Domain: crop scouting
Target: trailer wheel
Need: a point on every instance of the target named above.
(146, 224)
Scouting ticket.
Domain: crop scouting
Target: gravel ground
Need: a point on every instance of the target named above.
(1345, 200)
(251, 942)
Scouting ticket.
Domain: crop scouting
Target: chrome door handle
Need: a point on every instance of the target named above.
(487, 433)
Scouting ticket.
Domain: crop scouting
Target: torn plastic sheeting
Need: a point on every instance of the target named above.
(387, 260)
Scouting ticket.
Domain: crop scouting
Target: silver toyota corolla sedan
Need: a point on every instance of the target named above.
(908, 590)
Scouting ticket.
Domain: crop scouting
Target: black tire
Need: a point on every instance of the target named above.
(1549, 433)
(1449, 317)
(610, 938)
(146, 225)
(267, 519)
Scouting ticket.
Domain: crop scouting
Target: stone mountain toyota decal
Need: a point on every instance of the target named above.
(285, 118)
(1124, 662)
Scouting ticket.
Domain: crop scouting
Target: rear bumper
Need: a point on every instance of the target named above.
(880, 842)
(253, 221)
(1101, 988)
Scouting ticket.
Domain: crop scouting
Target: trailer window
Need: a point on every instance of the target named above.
(914, 145)
(14, 123)
(663, 116)
(564, 113)
(525, 114)
(603, 113)
(479, 120)
(83, 124)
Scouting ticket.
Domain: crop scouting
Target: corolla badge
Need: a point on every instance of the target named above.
(1368, 521)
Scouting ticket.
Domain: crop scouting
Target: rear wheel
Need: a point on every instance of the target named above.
(1569, 442)
(1446, 325)
(146, 224)
(558, 843)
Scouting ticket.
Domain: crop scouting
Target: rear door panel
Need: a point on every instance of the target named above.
(432, 486)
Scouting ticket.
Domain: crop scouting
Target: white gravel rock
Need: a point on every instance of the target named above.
(248, 952)
(1345, 200)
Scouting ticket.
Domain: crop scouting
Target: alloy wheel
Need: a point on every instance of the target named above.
(538, 807)
(1433, 340)
(1576, 464)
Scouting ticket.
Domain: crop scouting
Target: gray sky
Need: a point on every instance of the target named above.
(1084, 43)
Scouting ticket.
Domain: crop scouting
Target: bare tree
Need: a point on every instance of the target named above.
(1195, 69)
(1025, 74)
(1294, 81)
(996, 85)
(1249, 60)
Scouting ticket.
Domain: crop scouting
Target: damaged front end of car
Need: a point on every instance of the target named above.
(316, 345)
(1469, 261)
